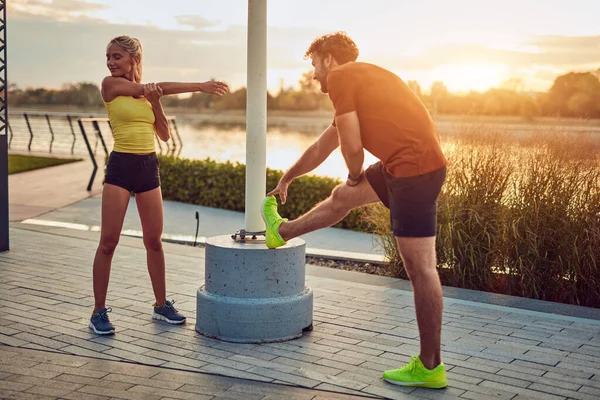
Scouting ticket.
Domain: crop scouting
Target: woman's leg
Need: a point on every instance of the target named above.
(150, 208)
(114, 206)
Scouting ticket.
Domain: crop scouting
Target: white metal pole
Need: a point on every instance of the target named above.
(256, 114)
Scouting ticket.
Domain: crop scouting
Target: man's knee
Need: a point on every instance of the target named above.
(340, 199)
(338, 192)
(351, 197)
(418, 255)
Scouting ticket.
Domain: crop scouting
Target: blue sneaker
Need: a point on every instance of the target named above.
(100, 323)
(168, 313)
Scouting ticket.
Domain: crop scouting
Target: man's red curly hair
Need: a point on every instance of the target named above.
(338, 44)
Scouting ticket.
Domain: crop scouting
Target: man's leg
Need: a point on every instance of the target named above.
(413, 215)
(330, 211)
(418, 255)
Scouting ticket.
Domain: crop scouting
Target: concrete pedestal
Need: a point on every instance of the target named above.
(253, 294)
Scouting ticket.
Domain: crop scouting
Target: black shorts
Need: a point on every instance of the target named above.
(412, 201)
(135, 173)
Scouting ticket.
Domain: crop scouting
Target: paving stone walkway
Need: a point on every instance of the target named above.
(40, 374)
(361, 327)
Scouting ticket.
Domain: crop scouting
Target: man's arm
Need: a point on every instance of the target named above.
(351, 144)
(315, 154)
(310, 159)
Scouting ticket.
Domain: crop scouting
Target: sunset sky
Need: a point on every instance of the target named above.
(467, 44)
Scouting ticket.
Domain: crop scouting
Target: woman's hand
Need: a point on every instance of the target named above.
(152, 92)
(214, 87)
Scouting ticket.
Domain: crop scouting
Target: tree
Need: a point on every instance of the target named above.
(200, 100)
(438, 94)
(308, 97)
(232, 101)
(90, 94)
(512, 84)
(583, 105)
(501, 102)
(414, 85)
(576, 94)
(529, 108)
(308, 84)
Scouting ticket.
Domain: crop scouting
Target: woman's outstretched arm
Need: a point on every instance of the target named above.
(212, 87)
(113, 87)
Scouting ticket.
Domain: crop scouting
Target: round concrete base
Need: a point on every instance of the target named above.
(253, 294)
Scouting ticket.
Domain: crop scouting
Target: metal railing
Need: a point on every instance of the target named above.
(4, 232)
(98, 132)
(55, 133)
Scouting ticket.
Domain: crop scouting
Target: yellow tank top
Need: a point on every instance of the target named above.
(132, 122)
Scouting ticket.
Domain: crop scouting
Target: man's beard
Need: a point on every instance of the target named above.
(323, 82)
(323, 86)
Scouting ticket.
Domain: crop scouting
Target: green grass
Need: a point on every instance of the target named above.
(21, 163)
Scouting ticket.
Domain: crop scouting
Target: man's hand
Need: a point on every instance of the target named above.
(351, 181)
(214, 87)
(281, 190)
(152, 92)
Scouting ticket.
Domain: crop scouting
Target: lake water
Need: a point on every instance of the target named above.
(286, 140)
(285, 146)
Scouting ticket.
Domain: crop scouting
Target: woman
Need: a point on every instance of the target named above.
(136, 115)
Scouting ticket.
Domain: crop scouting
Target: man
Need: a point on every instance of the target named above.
(375, 110)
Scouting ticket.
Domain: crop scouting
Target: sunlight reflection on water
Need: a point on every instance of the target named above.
(283, 148)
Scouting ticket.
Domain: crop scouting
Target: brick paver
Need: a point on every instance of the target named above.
(29, 191)
(359, 330)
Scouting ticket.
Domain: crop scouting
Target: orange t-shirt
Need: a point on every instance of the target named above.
(395, 126)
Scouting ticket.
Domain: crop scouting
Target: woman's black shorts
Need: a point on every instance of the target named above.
(135, 173)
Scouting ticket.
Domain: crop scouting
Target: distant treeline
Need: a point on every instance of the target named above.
(575, 94)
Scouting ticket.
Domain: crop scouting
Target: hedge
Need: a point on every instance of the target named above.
(222, 185)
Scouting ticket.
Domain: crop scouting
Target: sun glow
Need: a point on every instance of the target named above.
(460, 78)
(464, 78)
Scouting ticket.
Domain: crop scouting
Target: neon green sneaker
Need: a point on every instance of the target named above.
(272, 221)
(415, 374)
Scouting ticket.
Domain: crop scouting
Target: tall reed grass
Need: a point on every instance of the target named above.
(516, 216)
